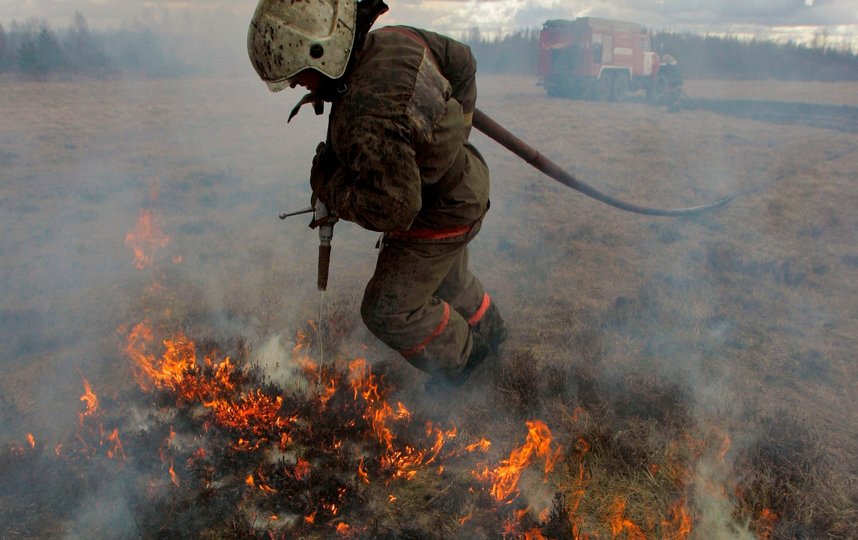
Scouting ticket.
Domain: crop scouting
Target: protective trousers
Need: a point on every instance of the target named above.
(422, 300)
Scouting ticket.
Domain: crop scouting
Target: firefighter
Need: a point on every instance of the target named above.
(673, 87)
(397, 160)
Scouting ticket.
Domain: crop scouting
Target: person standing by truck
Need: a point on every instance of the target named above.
(396, 160)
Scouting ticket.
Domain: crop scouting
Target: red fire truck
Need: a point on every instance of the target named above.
(603, 59)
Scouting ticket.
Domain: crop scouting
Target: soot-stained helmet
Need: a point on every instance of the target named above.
(289, 36)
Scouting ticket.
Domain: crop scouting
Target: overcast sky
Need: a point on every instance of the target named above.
(796, 19)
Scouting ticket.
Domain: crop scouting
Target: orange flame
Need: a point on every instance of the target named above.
(90, 400)
(145, 240)
(401, 412)
(679, 528)
(300, 355)
(285, 441)
(482, 445)
(582, 447)
(440, 438)
(328, 392)
(362, 473)
(254, 412)
(766, 524)
(262, 485)
(534, 534)
(179, 369)
(302, 469)
(505, 476)
(173, 476)
(403, 461)
(116, 448)
(619, 523)
(169, 371)
(31, 440)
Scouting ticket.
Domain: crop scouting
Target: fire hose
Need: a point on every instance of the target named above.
(499, 134)
(325, 222)
(502, 136)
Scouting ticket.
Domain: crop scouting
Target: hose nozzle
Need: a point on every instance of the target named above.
(326, 234)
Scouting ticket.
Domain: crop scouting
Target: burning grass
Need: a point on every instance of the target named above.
(221, 453)
(207, 442)
(204, 444)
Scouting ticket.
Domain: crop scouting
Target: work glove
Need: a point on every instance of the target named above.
(322, 215)
(320, 172)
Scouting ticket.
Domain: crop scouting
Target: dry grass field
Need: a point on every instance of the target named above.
(813, 92)
(708, 360)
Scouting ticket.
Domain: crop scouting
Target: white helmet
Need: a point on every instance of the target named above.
(289, 36)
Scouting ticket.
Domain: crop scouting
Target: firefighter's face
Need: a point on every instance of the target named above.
(309, 79)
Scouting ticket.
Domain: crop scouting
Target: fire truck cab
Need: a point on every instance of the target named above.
(600, 59)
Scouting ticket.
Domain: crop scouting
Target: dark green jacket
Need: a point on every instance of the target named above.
(399, 136)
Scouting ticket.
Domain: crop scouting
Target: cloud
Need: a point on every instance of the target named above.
(455, 17)
(792, 18)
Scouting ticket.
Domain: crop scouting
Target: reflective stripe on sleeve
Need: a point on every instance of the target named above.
(408, 353)
(430, 234)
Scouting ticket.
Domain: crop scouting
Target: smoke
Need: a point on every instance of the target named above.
(716, 512)
(104, 512)
(274, 357)
(593, 298)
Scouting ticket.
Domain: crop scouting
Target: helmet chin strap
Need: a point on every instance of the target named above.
(330, 90)
(318, 105)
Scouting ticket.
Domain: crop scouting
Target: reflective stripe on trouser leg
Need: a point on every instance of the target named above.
(445, 320)
(464, 291)
(481, 311)
(402, 307)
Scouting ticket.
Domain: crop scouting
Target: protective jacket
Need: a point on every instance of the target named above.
(398, 133)
(400, 162)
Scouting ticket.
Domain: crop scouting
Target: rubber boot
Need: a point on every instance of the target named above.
(486, 337)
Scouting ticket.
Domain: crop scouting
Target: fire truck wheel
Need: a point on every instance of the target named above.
(620, 87)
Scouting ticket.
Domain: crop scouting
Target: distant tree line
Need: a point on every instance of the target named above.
(517, 52)
(35, 50)
(698, 56)
(732, 58)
